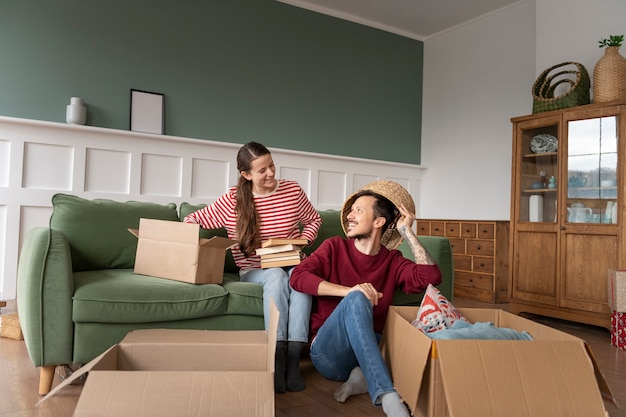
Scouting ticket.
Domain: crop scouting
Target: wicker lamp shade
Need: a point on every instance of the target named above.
(393, 192)
(609, 77)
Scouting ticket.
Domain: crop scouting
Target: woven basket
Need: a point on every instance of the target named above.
(10, 327)
(545, 85)
(393, 192)
(609, 76)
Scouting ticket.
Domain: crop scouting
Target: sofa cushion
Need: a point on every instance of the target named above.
(186, 209)
(121, 296)
(245, 298)
(97, 230)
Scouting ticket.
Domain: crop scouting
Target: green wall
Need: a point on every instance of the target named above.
(231, 70)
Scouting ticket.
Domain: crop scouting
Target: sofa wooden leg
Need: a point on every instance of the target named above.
(46, 375)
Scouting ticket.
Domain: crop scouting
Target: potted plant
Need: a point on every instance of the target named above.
(609, 74)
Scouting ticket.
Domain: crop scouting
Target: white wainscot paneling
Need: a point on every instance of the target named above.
(209, 178)
(48, 167)
(107, 171)
(332, 188)
(39, 159)
(4, 236)
(161, 175)
(5, 160)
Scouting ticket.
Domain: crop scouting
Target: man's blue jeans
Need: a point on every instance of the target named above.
(294, 306)
(347, 340)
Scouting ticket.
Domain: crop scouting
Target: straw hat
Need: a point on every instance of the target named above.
(395, 193)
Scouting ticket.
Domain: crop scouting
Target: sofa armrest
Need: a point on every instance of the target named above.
(441, 251)
(44, 296)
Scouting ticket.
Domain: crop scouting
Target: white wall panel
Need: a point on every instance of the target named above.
(209, 178)
(5, 162)
(48, 167)
(161, 175)
(107, 171)
(332, 188)
(39, 159)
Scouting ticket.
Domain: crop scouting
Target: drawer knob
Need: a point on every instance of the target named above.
(478, 247)
(482, 265)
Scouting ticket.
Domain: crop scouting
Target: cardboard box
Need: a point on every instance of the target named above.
(553, 375)
(617, 290)
(166, 372)
(618, 329)
(174, 250)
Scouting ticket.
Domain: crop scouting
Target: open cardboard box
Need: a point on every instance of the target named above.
(166, 372)
(173, 250)
(553, 375)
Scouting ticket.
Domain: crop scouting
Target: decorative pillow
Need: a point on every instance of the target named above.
(436, 312)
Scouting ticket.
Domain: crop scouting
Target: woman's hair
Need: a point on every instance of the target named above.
(382, 208)
(247, 216)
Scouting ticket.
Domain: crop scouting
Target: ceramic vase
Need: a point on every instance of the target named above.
(76, 112)
(609, 77)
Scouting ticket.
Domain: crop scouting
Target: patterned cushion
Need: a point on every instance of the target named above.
(436, 312)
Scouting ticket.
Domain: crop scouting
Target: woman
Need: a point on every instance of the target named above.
(258, 208)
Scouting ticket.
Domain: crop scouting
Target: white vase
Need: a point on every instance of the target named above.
(76, 112)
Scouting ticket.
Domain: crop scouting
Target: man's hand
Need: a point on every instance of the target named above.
(407, 218)
(370, 292)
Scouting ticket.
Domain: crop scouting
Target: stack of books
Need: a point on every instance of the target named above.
(276, 253)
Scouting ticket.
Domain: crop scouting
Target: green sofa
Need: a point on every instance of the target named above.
(77, 294)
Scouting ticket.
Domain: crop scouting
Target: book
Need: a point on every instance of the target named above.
(275, 264)
(280, 258)
(279, 242)
(280, 254)
(275, 249)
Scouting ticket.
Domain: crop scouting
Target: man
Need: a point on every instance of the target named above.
(354, 280)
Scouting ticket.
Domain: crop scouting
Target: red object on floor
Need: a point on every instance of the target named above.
(618, 329)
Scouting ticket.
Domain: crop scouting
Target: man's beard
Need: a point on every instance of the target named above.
(362, 236)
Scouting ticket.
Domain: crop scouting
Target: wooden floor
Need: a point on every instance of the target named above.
(19, 380)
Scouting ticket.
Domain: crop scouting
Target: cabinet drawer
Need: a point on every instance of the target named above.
(453, 229)
(458, 246)
(483, 265)
(486, 231)
(423, 228)
(463, 262)
(471, 280)
(468, 230)
(437, 229)
(480, 247)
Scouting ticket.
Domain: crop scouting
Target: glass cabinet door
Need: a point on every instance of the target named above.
(538, 174)
(592, 180)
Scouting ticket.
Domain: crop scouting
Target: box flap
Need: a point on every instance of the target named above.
(518, 378)
(143, 342)
(169, 231)
(218, 242)
(107, 360)
(155, 394)
(404, 347)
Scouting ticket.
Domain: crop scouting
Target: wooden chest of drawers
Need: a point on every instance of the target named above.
(481, 250)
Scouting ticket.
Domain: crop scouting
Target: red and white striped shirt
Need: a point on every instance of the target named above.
(280, 213)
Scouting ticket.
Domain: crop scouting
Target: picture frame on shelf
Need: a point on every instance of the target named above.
(147, 112)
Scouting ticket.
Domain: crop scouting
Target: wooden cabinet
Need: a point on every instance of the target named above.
(565, 236)
(480, 256)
